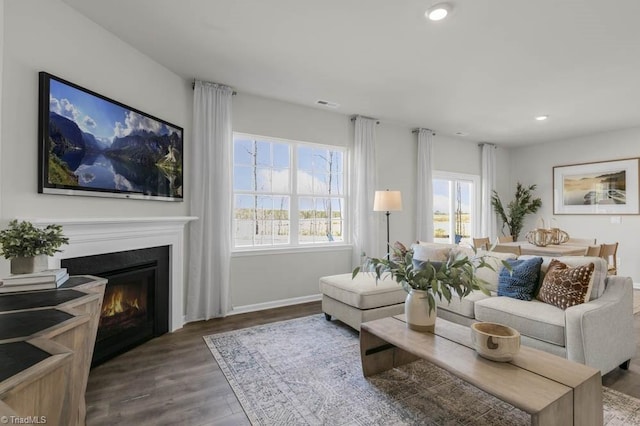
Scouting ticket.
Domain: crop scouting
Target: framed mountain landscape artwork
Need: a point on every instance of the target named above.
(604, 187)
(92, 145)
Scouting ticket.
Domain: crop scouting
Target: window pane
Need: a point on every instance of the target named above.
(244, 218)
(305, 182)
(453, 211)
(281, 155)
(263, 191)
(242, 151)
(263, 153)
(243, 178)
(336, 184)
(281, 180)
(305, 158)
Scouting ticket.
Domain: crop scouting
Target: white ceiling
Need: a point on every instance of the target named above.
(487, 70)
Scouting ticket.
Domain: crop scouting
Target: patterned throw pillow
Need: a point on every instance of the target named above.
(564, 286)
(521, 282)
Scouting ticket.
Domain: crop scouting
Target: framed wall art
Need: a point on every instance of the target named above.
(96, 146)
(604, 187)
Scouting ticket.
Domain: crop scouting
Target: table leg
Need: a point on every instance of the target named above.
(378, 355)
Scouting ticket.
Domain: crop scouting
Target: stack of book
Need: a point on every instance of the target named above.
(51, 278)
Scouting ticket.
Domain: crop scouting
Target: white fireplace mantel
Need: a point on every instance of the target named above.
(91, 236)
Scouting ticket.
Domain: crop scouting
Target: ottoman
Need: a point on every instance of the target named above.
(354, 301)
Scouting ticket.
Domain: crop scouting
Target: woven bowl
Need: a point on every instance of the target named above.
(494, 341)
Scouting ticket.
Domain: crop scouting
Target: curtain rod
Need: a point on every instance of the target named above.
(353, 118)
(193, 86)
(487, 143)
(422, 128)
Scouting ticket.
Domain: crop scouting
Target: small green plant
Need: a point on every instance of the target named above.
(522, 205)
(22, 239)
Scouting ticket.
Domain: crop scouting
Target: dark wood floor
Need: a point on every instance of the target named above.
(174, 380)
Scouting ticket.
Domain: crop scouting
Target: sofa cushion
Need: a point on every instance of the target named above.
(363, 292)
(599, 272)
(534, 319)
(434, 251)
(490, 276)
(522, 281)
(564, 286)
(462, 306)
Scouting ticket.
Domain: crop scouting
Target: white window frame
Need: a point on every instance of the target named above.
(295, 246)
(475, 200)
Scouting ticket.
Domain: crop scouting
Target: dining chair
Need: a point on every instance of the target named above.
(482, 243)
(505, 239)
(608, 252)
(501, 248)
(593, 251)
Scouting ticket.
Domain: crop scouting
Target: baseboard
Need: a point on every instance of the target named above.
(636, 286)
(274, 304)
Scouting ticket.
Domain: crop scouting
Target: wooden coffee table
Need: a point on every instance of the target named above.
(555, 391)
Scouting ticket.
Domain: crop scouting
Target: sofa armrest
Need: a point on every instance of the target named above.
(599, 333)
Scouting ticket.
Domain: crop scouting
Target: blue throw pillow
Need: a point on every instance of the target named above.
(522, 282)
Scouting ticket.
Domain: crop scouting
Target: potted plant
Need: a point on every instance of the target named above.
(423, 281)
(28, 246)
(522, 205)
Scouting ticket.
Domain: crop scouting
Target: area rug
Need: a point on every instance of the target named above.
(307, 371)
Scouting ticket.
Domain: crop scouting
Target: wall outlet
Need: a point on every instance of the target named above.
(616, 220)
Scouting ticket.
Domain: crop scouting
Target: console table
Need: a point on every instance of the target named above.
(46, 346)
(555, 391)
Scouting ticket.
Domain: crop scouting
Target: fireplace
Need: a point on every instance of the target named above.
(136, 301)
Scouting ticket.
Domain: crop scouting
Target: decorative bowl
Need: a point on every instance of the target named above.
(494, 341)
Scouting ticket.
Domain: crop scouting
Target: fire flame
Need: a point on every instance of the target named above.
(116, 304)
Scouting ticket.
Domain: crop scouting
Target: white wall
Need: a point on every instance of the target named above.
(258, 278)
(47, 35)
(264, 278)
(533, 164)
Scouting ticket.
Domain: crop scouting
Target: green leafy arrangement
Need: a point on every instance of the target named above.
(522, 205)
(23, 239)
(455, 275)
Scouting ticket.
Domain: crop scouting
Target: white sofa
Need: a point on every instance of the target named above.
(598, 333)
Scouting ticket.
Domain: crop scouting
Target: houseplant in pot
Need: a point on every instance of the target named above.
(424, 281)
(513, 215)
(28, 246)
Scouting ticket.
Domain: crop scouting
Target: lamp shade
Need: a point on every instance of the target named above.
(387, 201)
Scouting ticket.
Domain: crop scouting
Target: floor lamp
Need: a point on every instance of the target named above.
(387, 201)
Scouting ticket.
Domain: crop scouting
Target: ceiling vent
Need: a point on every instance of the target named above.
(328, 104)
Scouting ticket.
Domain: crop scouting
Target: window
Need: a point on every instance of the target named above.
(455, 207)
(287, 193)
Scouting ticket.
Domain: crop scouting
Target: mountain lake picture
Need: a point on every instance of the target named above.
(100, 145)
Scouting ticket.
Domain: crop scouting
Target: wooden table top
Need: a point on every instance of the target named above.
(550, 250)
(532, 380)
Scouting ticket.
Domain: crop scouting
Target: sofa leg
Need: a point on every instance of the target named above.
(327, 316)
(625, 365)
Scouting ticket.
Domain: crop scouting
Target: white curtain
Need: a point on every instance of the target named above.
(363, 187)
(424, 197)
(210, 235)
(488, 228)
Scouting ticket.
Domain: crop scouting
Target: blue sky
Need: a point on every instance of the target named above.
(274, 170)
(94, 115)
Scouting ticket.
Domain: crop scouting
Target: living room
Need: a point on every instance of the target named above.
(54, 36)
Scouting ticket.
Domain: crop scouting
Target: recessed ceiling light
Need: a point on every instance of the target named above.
(438, 12)
(542, 117)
